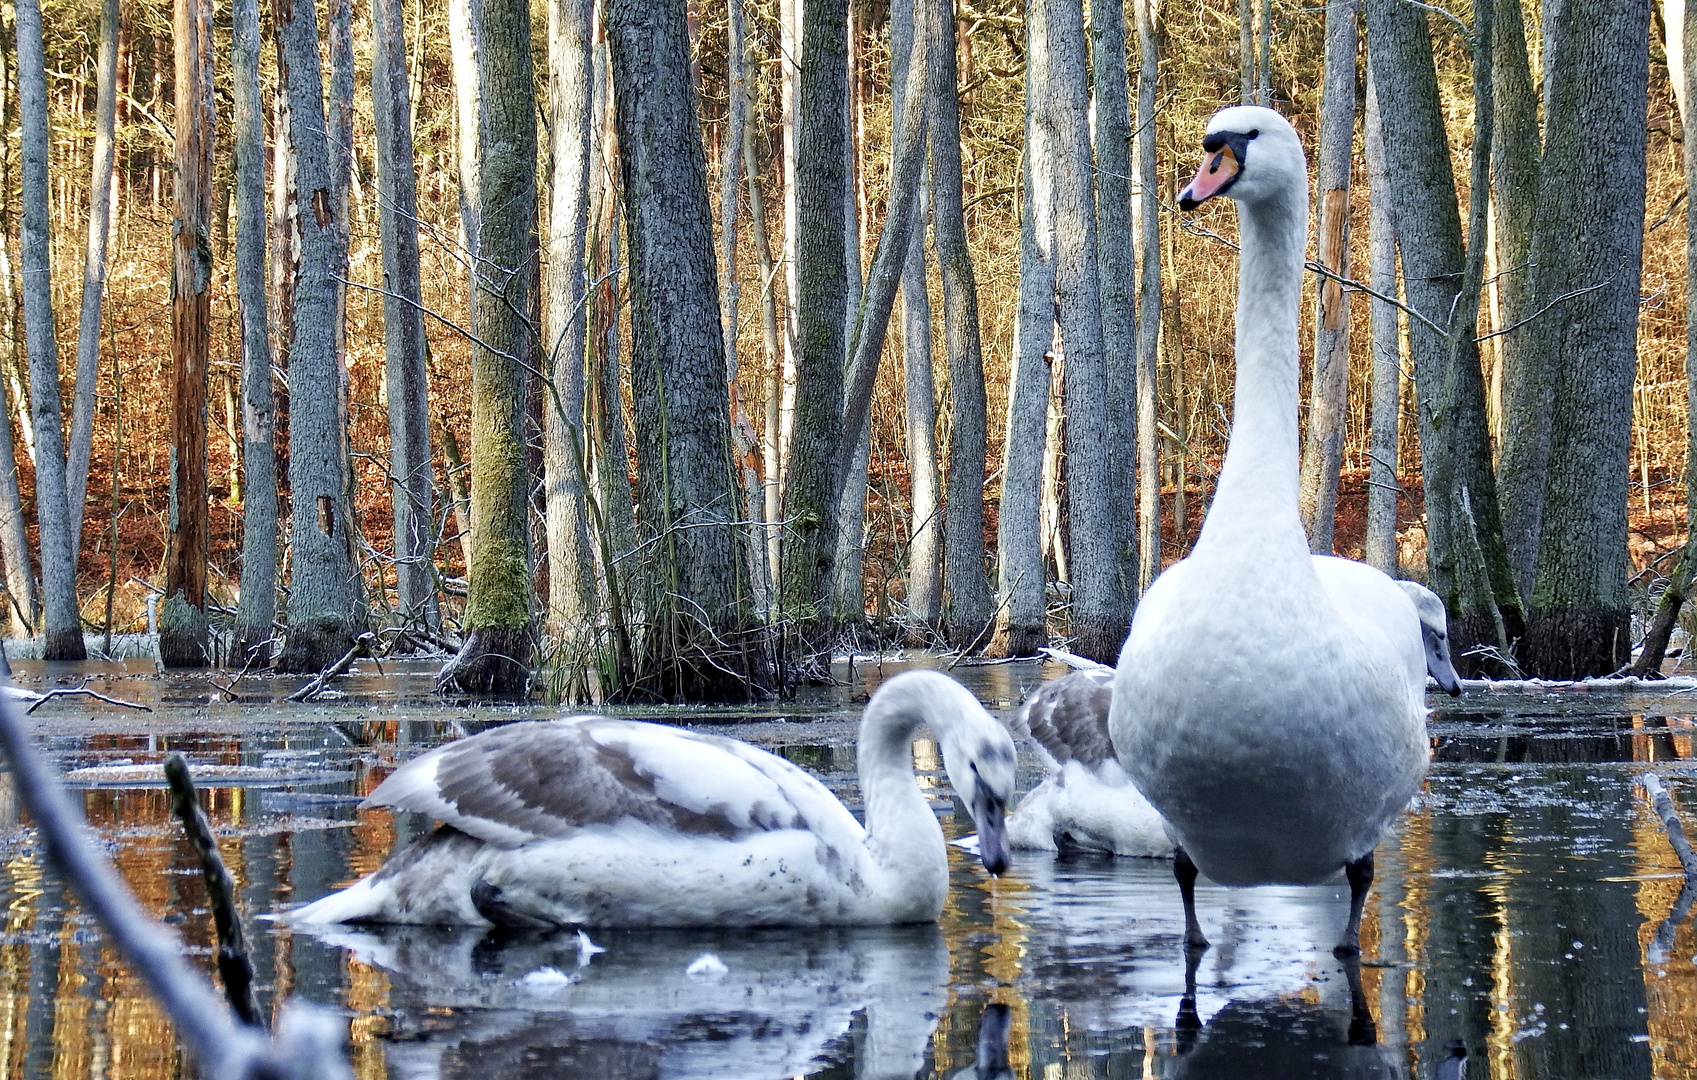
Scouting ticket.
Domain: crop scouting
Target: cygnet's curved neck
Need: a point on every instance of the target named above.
(1258, 482)
(900, 827)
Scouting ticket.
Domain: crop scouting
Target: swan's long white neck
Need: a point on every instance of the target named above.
(902, 832)
(1257, 492)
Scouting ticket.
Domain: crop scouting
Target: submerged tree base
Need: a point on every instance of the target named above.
(1576, 644)
(64, 645)
(1100, 641)
(315, 644)
(183, 633)
(493, 660)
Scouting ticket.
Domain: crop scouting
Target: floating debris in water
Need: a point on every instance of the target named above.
(707, 968)
(586, 949)
(547, 978)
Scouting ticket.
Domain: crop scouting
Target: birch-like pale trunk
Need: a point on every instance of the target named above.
(94, 268)
(1328, 397)
(1022, 626)
(62, 624)
(1380, 548)
(789, 113)
(14, 540)
(1149, 302)
(571, 565)
(465, 18)
(774, 351)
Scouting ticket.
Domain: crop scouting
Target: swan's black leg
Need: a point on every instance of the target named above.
(1189, 1022)
(1185, 871)
(1360, 875)
(1363, 1031)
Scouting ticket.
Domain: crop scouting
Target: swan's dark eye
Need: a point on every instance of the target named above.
(1254, 132)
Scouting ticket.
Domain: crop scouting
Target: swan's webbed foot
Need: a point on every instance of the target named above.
(1360, 876)
(1185, 871)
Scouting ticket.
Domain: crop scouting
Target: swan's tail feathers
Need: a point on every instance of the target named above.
(1067, 719)
(427, 883)
(359, 902)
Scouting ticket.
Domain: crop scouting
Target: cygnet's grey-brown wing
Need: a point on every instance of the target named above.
(549, 779)
(1068, 718)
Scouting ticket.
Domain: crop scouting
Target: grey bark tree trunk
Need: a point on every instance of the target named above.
(1246, 51)
(1428, 227)
(704, 643)
(465, 19)
(1149, 303)
(257, 610)
(94, 268)
(412, 473)
(966, 584)
(925, 531)
(499, 620)
(1322, 451)
(1098, 623)
(1593, 177)
(571, 566)
(322, 587)
(1380, 547)
(1023, 623)
(1118, 269)
(62, 624)
(14, 541)
(769, 285)
(813, 478)
(1517, 151)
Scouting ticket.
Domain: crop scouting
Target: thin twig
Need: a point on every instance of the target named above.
(83, 691)
(361, 647)
(1663, 802)
(234, 965)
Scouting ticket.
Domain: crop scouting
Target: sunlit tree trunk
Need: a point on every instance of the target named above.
(571, 567)
(1593, 177)
(1246, 51)
(1380, 547)
(465, 20)
(258, 608)
(499, 619)
(322, 585)
(704, 642)
(1149, 301)
(1322, 450)
(94, 268)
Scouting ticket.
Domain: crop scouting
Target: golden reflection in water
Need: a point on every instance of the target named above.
(1415, 857)
(1499, 1045)
(368, 994)
(1670, 987)
(24, 873)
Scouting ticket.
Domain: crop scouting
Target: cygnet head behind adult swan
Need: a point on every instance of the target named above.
(1250, 154)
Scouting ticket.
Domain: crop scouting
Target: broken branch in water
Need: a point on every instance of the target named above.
(1663, 802)
(84, 691)
(308, 1042)
(361, 647)
(234, 965)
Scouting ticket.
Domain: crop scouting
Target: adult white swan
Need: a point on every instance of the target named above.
(598, 822)
(1276, 736)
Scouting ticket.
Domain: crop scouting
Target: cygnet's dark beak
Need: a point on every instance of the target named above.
(990, 815)
(1438, 663)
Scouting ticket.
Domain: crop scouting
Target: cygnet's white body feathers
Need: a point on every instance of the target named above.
(599, 822)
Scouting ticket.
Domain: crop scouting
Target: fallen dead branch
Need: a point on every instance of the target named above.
(84, 691)
(361, 647)
(1663, 802)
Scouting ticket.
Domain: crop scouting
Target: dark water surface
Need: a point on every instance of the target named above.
(1518, 908)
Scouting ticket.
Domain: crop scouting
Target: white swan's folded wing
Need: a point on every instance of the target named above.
(1068, 718)
(550, 779)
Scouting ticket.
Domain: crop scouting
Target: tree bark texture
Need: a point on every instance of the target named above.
(94, 268)
(322, 584)
(703, 642)
(812, 477)
(1594, 175)
(14, 541)
(1322, 451)
(499, 619)
(1099, 622)
(1428, 225)
(62, 624)
(1117, 266)
(1517, 151)
(1382, 490)
(412, 473)
(1023, 623)
(1148, 304)
(465, 21)
(774, 350)
(571, 566)
(257, 610)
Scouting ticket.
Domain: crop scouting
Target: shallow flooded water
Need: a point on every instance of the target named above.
(1519, 909)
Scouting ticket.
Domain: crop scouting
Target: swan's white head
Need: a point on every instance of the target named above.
(978, 755)
(1434, 633)
(1249, 154)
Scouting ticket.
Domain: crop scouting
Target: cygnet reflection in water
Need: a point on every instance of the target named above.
(531, 1003)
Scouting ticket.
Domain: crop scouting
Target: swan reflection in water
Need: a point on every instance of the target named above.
(678, 1005)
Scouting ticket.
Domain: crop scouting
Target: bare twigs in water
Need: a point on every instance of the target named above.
(84, 691)
(308, 1041)
(361, 647)
(1663, 802)
(234, 966)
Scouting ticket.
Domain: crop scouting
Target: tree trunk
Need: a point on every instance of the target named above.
(813, 480)
(412, 473)
(704, 643)
(258, 606)
(499, 620)
(1246, 51)
(571, 566)
(322, 585)
(1322, 451)
(1149, 304)
(94, 269)
(769, 285)
(1098, 622)
(465, 20)
(1593, 178)
(1525, 439)
(1118, 269)
(1428, 227)
(63, 625)
(925, 531)
(1023, 623)
(1382, 490)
